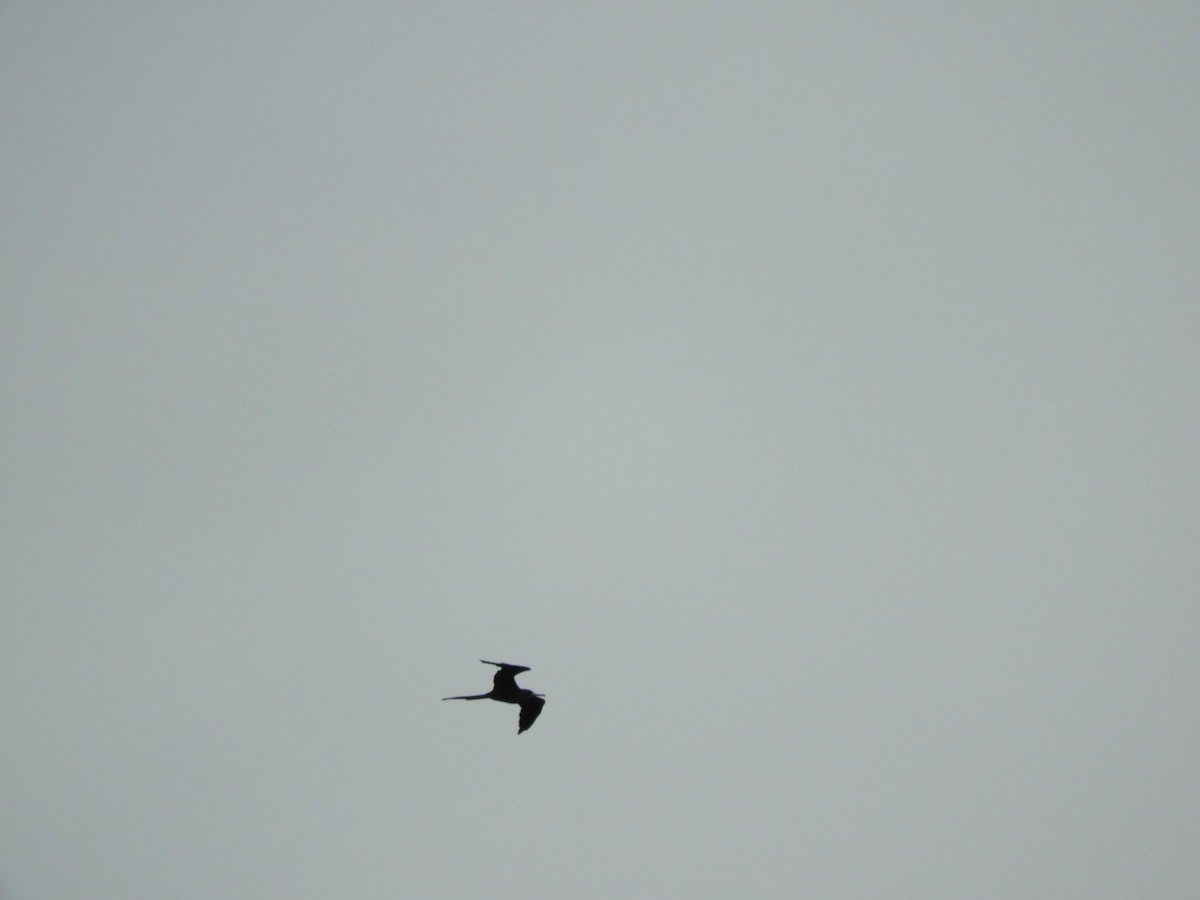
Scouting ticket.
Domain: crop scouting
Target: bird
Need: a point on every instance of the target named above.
(506, 690)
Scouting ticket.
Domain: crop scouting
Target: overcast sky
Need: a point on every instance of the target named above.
(807, 392)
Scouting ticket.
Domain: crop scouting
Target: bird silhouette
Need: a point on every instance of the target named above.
(506, 690)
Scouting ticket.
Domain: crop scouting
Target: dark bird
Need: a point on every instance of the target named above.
(506, 690)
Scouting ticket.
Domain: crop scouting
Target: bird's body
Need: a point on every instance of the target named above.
(506, 690)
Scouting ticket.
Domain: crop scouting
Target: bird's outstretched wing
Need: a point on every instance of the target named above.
(531, 708)
(508, 667)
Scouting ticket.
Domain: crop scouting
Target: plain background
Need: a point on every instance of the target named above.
(806, 392)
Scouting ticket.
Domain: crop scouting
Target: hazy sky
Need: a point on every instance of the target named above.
(807, 392)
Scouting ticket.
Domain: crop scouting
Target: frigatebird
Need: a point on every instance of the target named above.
(506, 690)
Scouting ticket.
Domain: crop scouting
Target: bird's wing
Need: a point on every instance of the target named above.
(509, 667)
(531, 708)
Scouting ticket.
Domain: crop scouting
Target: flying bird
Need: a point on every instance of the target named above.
(506, 690)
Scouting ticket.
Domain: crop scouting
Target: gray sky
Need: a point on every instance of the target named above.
(806, 392)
